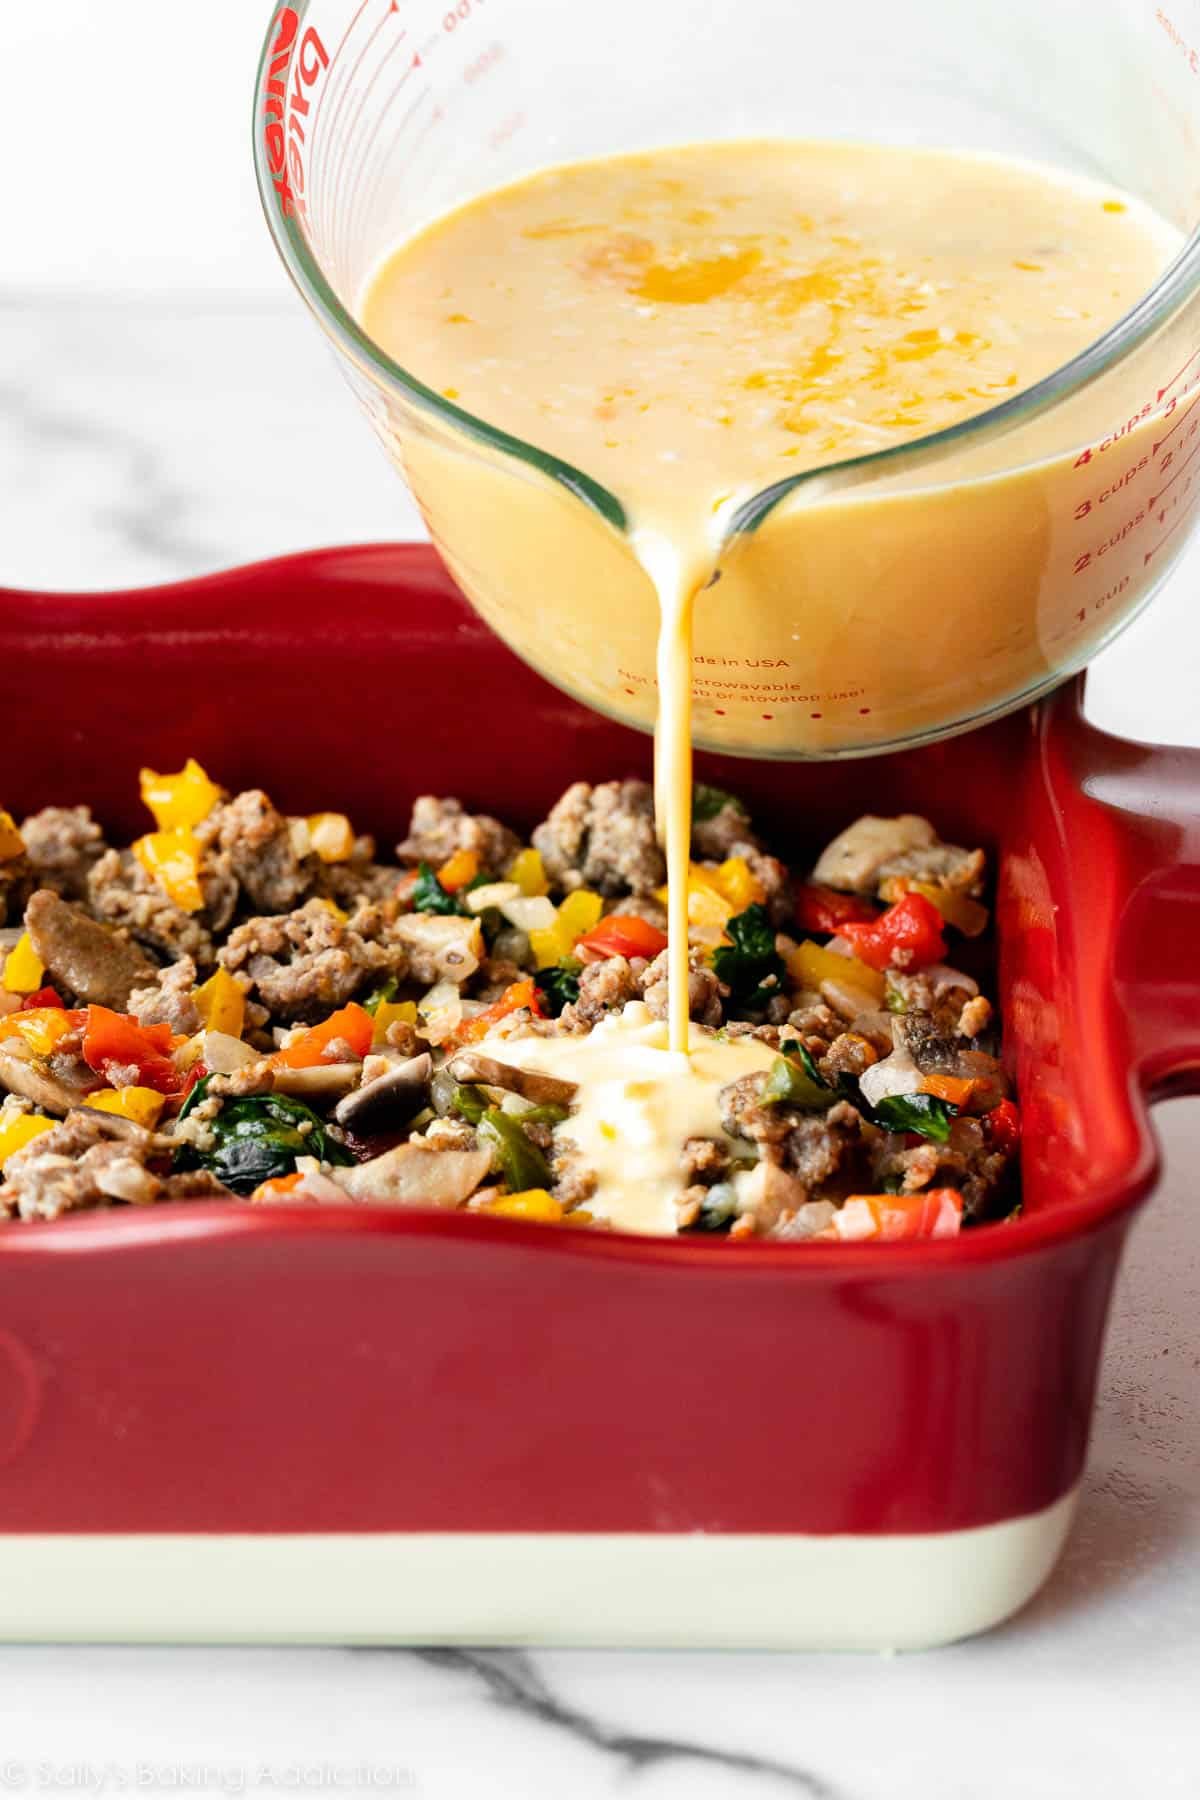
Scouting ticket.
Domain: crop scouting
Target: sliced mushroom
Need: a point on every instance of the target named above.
(416, 1175)
(112, 1125)
(531, 1084)
(91, 959)
(391, 1099)
(22, 1075)
(855, 857)
(324, 1081)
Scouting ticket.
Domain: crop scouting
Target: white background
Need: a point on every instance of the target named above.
(165, 408)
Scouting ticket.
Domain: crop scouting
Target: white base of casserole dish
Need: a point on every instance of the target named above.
(654, 1589)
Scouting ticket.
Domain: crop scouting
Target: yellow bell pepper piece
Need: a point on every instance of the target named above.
(739, 884)
(179, 801)
(221, 1004)
(20, 1130)
(578, 1217)
(11, 842)
(23, 967)
(577, 914)
(393, 1012)
(529, 873)
(716, 895)
(172, 858)
(547, 947)
(708, 909)
(331, 906)
(331, 836)
(959, 910)
(141, 1105)
(42, 1027)
(531, 1203)
(810, 964)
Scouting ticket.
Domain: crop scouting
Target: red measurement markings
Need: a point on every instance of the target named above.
(1165, 390)
(1139, 418)
(484, 64)
(350, 203)
(1155, 498)
(341, 85)
(1182, 415)
(1186, 511)
(333, 197)
(1176, 36)
(373, 176)
(1093, 606)
(1114, 488)
(506, 130)
(458, 15)
(1086, 558)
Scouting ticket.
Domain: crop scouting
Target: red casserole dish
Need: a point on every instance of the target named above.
(221, 1421)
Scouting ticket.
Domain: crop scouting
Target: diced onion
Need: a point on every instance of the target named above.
(854, 1221)
(529, 912)
(441, 994)
(441, 1011)
(221, 1054)
(493, 893)
(942, 976)
(896, 1074)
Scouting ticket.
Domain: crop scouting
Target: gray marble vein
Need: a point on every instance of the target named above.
(152, 519)
(510, 1679)
(144, 440)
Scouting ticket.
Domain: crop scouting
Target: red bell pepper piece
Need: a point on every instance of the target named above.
(194, 1076)
(44, 997)
(116, 1040)
(1004, 1126)
(907, 936)
(352, 1023)
(621, 934)
(824, 909)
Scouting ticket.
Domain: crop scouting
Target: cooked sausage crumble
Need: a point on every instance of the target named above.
(244, 1004)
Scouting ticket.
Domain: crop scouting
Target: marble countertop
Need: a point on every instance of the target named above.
(142, 441)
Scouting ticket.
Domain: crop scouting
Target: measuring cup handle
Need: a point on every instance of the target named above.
(1135, 821)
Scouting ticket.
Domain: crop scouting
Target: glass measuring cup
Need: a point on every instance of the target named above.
(881, 600)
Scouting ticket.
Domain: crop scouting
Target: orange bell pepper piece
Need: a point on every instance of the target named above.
(458, 869)
(353, 1024)
(953, 1088)
(520, 994)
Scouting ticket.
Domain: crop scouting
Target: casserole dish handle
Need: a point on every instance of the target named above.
(1146, 844)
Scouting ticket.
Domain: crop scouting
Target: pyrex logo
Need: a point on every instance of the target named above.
(286, 112)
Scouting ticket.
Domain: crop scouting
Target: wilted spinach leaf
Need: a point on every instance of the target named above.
(428, 894)
(258, 1138)
(707, 802)
(926, 1114)
(749, 964)
(558, 985)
